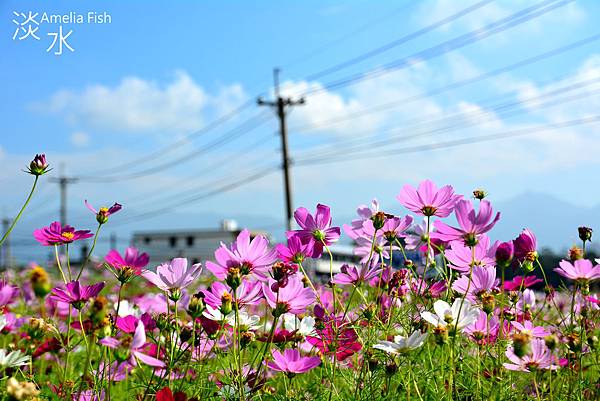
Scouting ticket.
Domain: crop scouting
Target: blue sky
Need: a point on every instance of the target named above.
(162, 70)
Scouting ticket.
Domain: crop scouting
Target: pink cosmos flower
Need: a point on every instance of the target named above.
(249, 257)
(581, 270)
(356, 276)
(295, 251)
(525, 246)
(364, 245)
(539, 358)
(418, 236)
(427, 200)
(472, 225)
(483, 280)
(364, 213)
(103, 213)
(393, 228)
(248, 293)
(133, 259)
(526, 300)
(461, 256)
(519, 281)
(135, 347)
(292, 362)
(173, 276)
(8, 293)
(315, 231)
(76, 294)
(529, 329)
(484, 330)
(56, 234)
(293, 298)
(336, 337)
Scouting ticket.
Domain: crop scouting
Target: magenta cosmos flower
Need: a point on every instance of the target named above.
(472, 224)
(525, 246)
(356, 275)
(76, 294)
(132, 260)
(244, 257)
(38, 165)
(293, 298)
(295, 251)
(173, 276)
(103, 213)
(428, 200)
(582, 270)
(539, 358)
(292, 362)
(315, 231)
(56, 234)
(519, 282)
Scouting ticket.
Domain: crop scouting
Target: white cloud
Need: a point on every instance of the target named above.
(80, 139)
(136, 105)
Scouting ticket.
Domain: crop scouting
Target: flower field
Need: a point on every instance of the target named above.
(463, 318)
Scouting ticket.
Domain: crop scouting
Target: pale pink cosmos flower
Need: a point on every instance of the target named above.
(582, 270)
(135, 347)
(293, 298)
(173, 276)
(292, 362)
(483, 280)
(247, 293)
(526, 300)
(485, 329)
(379, 247)
(428, 200)
(528, 328)
(472, 225)
(250, 257)
(356, 275)
(461, 256)
(539, 358)
(364, 213)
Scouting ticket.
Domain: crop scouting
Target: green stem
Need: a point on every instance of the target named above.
(87, 258)
(14, 222)
(62, 273)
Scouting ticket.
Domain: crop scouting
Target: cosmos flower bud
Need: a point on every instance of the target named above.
(585, 233)
(527, 266)
(38, 165)
(440, 335)
(391, 368)
(505, 253)
(488, 302)
(379, 220)
(175, 294)
(521, 344)
(551, 342)
(196, 305)
(479, 194)
(226, 304)
(246, 338)
(575, 253)
(98, 309)
(234, 278)
(40, 281)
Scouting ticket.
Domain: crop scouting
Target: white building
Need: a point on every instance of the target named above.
(196, 245)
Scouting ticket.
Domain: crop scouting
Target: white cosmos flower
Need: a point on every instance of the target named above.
(126, 309)
(246, 321)
(214, 314)
(446, 315)
(305, 326)
(13, 359)
(402, 344)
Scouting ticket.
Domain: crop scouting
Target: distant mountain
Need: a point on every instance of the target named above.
(553, 221)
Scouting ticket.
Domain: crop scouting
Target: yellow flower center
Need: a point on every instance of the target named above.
(68, 235)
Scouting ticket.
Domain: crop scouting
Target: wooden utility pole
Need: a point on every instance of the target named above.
(280, 104)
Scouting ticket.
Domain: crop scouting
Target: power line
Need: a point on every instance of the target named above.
(502, 110)
(458, 42)
(395, 43)
(449, 144)
(234, 133)
(451, 86)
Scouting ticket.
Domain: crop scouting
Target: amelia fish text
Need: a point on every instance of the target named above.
(91, 17)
